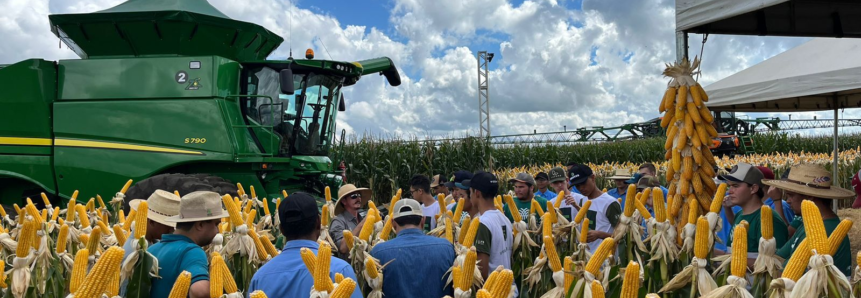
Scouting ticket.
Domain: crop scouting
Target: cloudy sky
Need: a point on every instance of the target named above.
(558, 63)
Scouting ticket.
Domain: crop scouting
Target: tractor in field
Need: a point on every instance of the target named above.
(172, 94)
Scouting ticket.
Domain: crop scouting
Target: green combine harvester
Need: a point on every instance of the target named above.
(172, 94)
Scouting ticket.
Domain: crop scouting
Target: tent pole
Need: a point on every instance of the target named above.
(836, 153)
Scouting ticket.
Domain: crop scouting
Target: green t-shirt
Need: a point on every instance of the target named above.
(843, 257)
(796, 222)
(754, 231)
(524, 207)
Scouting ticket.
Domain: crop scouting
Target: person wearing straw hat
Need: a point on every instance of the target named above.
(620, 178)
(200, 212)
(351, 199)
(161, 205)
(286, 275)
(814, 183)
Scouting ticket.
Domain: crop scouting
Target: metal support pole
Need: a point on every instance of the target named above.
(836, 153)
(681, 46)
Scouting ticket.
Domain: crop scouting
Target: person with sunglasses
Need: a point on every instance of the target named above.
(347, 217)
(603, 213)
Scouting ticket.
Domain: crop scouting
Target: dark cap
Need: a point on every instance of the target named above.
(299, 206)
(458, 178)
(523, 177)
(766, 172)
(542, 175)
(745, 172)
(557, 174)
(635, 179)
(579, 174)
(648, 182)
(484, 182)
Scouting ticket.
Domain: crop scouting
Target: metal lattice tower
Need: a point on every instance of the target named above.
(483, 94)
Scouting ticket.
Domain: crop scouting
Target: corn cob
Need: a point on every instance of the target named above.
(767, 222)
(61, 239)
(55, 214)
(270, 249)
(249, 217)
(441, 199)
(322, 282)
(658, 202)
(180, 286)
(227, 278)
(309, 259)
(814, 227)
(584, 231)
(79, 270)
(668, 117)
(232, 210)
(502, 286)
(216, 282)
(600, 255)
(104, 228)
(739, 251)
(798, 261)
(693, 211)
(387, 229)
(468, 269)
(245, 209)
(338, 277)
(582, 212)
(3, 284)
(497, 202)
(482, 293)
(239, 189)
(644, 196)
(643, 211)
(84, 239)
(345, 289)
(278, 201)
(629, 197)
(371, 267)
(464, 229)
(537, 208)
(127, 223)
(631, 283)
(552, 255)
(95, 240)
(470, 234)
(260, 294)
(701, 239)
(666, 102)
(449, 233)
(96, 282)
(551, 212)
(718, 199)
(597, 289)
(91, 205)
(26, 238)
(324, 213)
(456, 277)
(31, 210)
(367, 228)
(838, 235)
(458, 210)
(141, 219)
(512, 208)
(348, 239)
(114, 287)
(120, 234)
(258, 245)
(101, 202)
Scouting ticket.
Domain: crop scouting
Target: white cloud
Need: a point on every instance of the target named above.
(545, 75)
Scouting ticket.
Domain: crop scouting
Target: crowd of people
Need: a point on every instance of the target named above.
(179, 228)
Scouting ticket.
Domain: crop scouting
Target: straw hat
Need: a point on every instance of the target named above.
(622, 174)
(347, 190)
(199, 206)
(812, 180)
(162, 204)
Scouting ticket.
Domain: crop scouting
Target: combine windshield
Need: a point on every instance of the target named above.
(304, 120)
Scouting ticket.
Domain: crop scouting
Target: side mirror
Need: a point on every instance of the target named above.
(342, 106)
(286, 77)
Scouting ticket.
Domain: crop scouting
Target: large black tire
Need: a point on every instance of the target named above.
(183, 183)
(220, 185)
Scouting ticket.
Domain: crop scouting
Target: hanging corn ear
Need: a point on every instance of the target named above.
(837, 236)
(814, 227)
(631, 283)
(601, 254)
(97, 281)
(739, 252)
(181, 285)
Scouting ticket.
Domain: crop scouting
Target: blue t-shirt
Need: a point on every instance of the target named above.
(615, 194)
(285, 275)
(547, 194)
(413, 254)
(177, 253)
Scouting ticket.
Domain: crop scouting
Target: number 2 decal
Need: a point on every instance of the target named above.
(181, 77)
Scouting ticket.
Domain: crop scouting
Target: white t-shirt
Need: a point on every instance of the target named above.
(599, 215)
(495, 229)
(568, 210)
(431, 211)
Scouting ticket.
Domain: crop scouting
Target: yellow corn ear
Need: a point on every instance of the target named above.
(464, 229)
(31, 210)
(3, 284)
(718, 199)
(604, 250)
(322, 282)
(368, 228)
(216, 280)
(546, 226)
(645, 195)
(693, 211)
(258, 244)
(96, 282)
(345, 289)
(266, 207)
(814, 227)
(838, 235)
(79, 270)
(270, 249)
(239, 189)
(324, 213)
(503, 283)
(468, 269)
(95, 241)
(232, 210)
(739, 252)
(114, 287)
(767, 224)
(386, 232)
(470, 234)
(798, 261)
(597, 289)
(122, 217)
(581, 214)
(371, 267)
(552, 212)
(456, 277)
(584, 230)
(458, 210)
(227, 278)
(348, 239)
(91, 205)
(180, 286)
(658, 202)
(141, 219)
(631, 283)
(101, 202)
(127, 224)
(701, 239)
(250, 216)
(259, 294)
(537, 208)
(630, 196)
(309, 259)
(338, 277)
(568, 280)
(103, 227)
(84, 239)
(512, 208)
(552, 255)
(54, 215)
(25, 240)
(119, 234)
(643, 211)
(449, 233)
(482, 293)
(666, 102)
(62, 238)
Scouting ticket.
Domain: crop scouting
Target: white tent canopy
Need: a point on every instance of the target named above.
(813, 18)
(810, 77)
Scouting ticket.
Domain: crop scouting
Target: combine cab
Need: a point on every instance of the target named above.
(170, 86)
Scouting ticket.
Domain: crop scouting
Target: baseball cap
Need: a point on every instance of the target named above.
(557, 174)
(542, 175)
(523, 177)
(437, 181)
(635, 179)
(484, 182)
(745, 172)
(458, 178)
(766, 172)
(300, 207)
(579, 174)
(648, 181)
(406, 207)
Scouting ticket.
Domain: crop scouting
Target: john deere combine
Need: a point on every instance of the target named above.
(170, 86)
